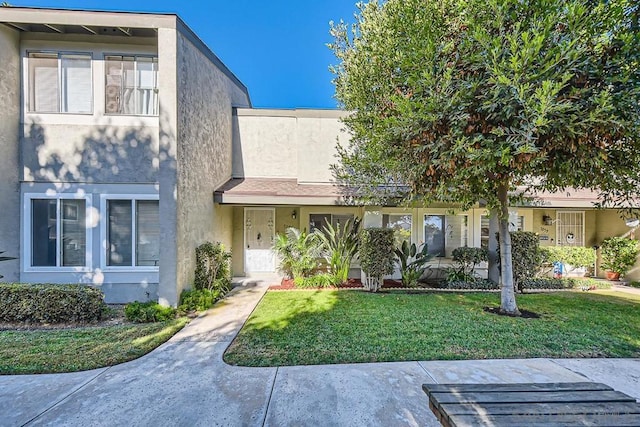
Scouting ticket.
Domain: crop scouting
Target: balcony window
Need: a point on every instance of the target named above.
(131, 85)
(60, 83)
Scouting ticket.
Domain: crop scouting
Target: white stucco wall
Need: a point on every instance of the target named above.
(9, 170)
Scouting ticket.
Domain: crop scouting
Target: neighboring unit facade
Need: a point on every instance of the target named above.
(115, 130)
(125, 143)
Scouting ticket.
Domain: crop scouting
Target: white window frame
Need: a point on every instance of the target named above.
(27, 237)
(104, 238)
(59, 54)
(156, 89)
(468, 236)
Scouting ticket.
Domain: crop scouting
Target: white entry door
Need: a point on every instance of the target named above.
(259, 235)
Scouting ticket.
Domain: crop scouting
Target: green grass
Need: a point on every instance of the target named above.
(70, 350)
(299, 328)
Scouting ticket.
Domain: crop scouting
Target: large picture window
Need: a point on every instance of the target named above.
(58, 233)
(60, 83)
(444, 233)
(131, 85)
(133, 233)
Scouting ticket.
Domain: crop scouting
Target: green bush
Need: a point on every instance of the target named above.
(412, 263)
(476, 283)
(339, 245)
(322, 280)
(297, 252)
(213, 269)
(619, 254)
(147, 312)
(525, 256)
(576, 256)
(564, 283)
(5, 258)
(198, 299)
(376, 252)
(49, 303)
(466, 259)
(634, 284)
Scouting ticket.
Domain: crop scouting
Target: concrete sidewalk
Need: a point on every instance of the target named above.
(185, 382)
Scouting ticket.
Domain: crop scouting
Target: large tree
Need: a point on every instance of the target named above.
(468, 101)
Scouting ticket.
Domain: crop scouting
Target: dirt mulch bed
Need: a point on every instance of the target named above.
(114, 317)
(523, 313)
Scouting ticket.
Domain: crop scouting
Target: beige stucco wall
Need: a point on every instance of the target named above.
(203, 126)
(609, 223)
(9, 169)
(297, 144)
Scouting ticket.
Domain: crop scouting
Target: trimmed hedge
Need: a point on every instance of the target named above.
(479, 284)
(50, 303)
(198, 299)
(576, 256)
(148, 312)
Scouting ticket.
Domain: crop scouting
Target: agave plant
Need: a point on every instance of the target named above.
(339, 246)
(412, 262)
(298, 252)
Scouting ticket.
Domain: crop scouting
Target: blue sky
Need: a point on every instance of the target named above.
(277, 48)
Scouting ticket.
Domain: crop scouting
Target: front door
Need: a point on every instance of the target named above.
(259, 235)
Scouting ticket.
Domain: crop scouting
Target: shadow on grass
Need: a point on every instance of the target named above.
(301, 328)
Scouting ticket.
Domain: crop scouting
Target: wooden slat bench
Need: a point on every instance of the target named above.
(531, 404)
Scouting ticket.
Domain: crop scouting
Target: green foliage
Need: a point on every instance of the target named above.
(213, 269)
(147, 312)
(376, 251)
(298, 252)
(339, 245)
(198, 299)
(576, 256)
(45, 303)
(634, 284)
(525, 248)
(466, 259)
(474, 284)
(563, 283)
(412, 263)
(322, 280)
(5, 258)
(619, 254)
(459, 101)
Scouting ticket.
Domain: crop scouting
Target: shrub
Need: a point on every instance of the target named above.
(198, 299)
(564, 283)
(634, 284)
(322, 280)
(147, 312)
(376, 255)
(467, 259)
(298, 252)
(412, 262)
(619, 254)
(576, 256)
(212, 267)
(339, 246)
(476, 283)
(525, 255)
(47, 303)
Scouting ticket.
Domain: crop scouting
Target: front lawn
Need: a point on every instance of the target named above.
(79, 349)
(299, 328)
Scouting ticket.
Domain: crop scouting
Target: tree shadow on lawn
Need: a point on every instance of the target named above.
(324, 327)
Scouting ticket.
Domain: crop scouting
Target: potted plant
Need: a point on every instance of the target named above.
(619, 254)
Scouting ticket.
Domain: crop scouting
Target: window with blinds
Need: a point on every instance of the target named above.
(319, 221)
(60, 83)
(131, 85)
(516, 223)
(133, 233)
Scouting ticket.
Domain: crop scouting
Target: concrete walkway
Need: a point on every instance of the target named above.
(184, 382)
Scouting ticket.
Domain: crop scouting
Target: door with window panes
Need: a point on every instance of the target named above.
(259, 235)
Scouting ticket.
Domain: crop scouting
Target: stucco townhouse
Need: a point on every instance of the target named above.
(125, 143)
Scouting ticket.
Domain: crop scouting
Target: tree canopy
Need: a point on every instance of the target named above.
(465, 101)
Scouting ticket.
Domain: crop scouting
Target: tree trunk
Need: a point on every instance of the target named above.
(507, 295)
(492, 247)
